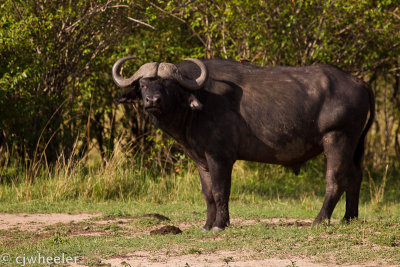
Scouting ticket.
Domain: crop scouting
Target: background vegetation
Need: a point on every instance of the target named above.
(62, 136)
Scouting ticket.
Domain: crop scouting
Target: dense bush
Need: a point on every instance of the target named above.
(56, 92)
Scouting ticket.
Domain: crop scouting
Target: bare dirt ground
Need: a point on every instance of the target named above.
(38, 222)
(216, 259)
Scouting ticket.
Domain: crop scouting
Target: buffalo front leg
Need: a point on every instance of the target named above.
(220, 173)
(206, 186)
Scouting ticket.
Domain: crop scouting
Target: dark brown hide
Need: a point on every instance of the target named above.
(278, 115)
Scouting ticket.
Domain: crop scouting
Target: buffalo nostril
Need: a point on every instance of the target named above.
(153, 100)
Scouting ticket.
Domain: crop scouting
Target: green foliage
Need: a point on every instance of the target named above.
(52, 65)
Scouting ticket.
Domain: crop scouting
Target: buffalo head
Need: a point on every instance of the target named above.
(161, 86)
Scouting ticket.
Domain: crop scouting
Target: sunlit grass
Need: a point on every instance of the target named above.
(249, 233)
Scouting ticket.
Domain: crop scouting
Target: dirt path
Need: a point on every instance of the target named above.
(38, 221)
(216, 259)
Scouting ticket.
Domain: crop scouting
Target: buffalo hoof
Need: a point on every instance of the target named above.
(216, 230)
(204, 230)
(320, 223)
(349, 220)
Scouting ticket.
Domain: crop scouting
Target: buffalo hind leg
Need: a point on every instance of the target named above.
(340, 168)
(353, 194)
(206, 186)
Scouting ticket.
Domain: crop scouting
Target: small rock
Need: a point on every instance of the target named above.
(156, 215)
(168, 229)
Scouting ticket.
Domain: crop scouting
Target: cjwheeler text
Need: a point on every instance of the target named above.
(40, 259)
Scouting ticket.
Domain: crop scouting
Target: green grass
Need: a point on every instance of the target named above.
(374, 238)
(307, 207)
(129, 180)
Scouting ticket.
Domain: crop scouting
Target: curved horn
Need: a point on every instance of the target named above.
(148, 70)
(199, 82)
(116, 73)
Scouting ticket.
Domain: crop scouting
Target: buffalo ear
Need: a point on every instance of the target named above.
(194, 103)
(128, 96)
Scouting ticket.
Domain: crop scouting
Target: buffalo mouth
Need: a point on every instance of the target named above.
(153, 110)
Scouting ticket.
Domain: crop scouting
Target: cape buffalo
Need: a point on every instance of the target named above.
(221, 111)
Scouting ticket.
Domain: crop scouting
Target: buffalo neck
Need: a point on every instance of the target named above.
(175, 124)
